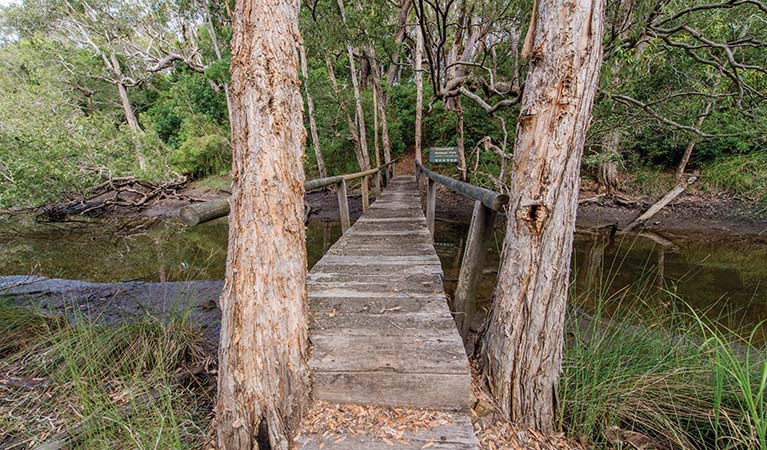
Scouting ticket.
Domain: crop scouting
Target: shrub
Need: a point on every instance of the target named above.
(201, 156)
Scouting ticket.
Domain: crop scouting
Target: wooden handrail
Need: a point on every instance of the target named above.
(493, 200)
(203, 212)
(319, 183)
(487, 203)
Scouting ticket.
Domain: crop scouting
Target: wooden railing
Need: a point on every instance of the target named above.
(203, 212)
(487, 204)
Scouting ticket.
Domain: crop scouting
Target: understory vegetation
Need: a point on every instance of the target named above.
(89, 386)
(669, 378)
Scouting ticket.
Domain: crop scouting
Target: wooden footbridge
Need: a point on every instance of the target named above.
(381, 327)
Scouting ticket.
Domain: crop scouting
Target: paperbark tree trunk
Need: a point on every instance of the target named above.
(113, 64)
(381, 101)
(349, 122)
(358, 106)
(404, 11)
(376, 147)
(691, 146)
(418, 92)
(310, 113)
(522, 346)
(262, 371)
(459, 138)
(130, 115)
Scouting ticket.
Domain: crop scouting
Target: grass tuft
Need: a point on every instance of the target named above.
(95, 386)
(667, 376)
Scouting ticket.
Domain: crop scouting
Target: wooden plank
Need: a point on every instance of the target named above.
(383, 322)
(381, 328)
(417, 390)
(458, 434)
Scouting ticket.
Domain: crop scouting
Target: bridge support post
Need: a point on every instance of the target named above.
(465, 300)
(431, 204)
(343, 206)
(365, 196)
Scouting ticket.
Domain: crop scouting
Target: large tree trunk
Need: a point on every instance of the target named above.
(419, 91)
(113, 64)
(522, 346)
(262, 371)
(310, 113)
(130, 115)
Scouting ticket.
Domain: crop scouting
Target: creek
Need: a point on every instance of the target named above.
(718, 276)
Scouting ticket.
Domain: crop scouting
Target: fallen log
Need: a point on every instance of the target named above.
(203, 212)
(660, 204)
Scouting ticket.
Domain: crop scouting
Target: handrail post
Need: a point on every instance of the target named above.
(431, 203)
(418, 178)
(343, 205)
(465, 299)
(365, 198)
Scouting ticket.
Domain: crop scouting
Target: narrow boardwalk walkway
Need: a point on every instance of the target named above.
(381, 328)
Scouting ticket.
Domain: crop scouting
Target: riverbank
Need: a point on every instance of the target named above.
(696, 212)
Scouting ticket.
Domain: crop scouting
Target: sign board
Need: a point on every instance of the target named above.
(443, 154)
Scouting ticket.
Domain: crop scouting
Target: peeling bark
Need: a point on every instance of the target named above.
(262, 372)
(459, 139)
(522, 345)
(398, 38)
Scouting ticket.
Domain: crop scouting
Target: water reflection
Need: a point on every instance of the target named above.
(165, 252)
(719, 277)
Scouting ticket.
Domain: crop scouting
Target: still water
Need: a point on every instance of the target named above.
(722, 278)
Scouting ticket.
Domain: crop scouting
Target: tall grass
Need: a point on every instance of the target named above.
(96, 386)
(664, 375)
(745, 175)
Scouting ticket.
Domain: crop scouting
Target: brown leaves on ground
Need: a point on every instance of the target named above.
(505, 436)
(388, 424)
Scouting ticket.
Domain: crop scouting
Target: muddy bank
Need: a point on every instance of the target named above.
(691, 213)
(689, 216)
(114, 303)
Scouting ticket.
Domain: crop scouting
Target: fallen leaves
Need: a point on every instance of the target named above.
(387, 424)
(505, 436)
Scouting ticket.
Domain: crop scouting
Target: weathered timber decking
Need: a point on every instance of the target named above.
(381, 327)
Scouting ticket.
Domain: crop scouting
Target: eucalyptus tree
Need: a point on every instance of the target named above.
(262, 373)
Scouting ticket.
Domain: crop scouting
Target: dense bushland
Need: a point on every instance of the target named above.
(64, 128)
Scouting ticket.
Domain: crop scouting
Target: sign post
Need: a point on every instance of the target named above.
(443, 154)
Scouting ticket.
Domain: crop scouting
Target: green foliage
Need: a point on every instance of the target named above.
(203, 155)
(744, 175)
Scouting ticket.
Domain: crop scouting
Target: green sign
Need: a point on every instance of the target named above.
(443, 154)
